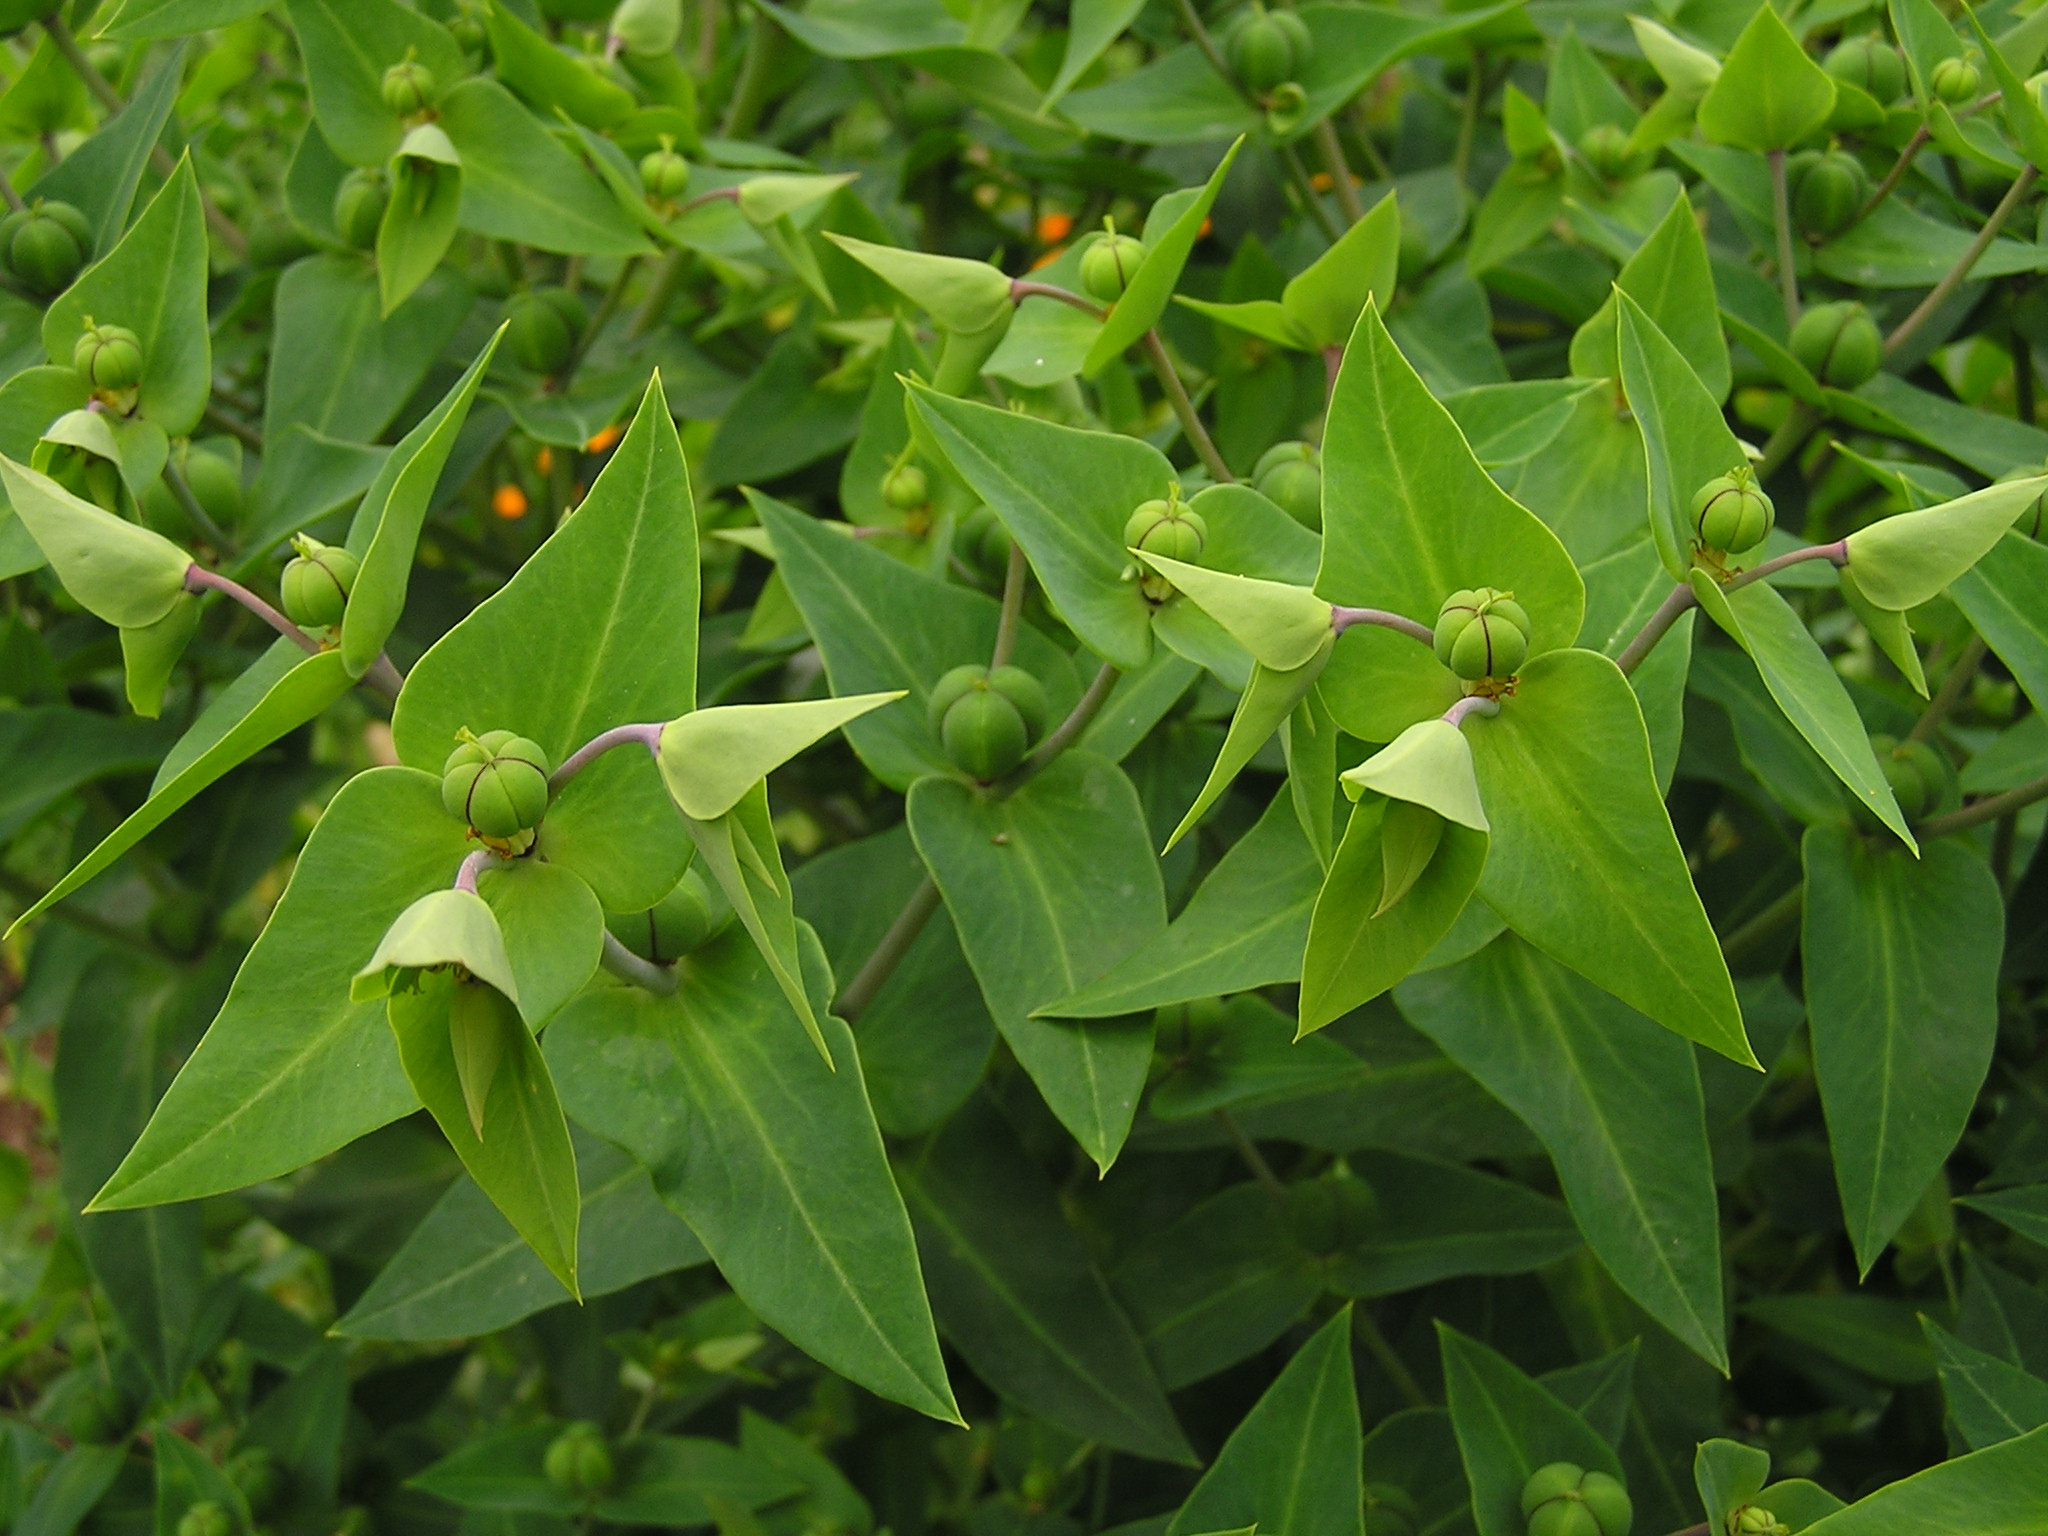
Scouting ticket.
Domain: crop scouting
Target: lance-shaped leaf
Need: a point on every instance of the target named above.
(347, 45)
(151, 653)
(1281, 625)
(1685, 437)
(1584, 863)
(420, 219)
(1769, 94)
(387, 523)
(1888, 629)
(1268, 699)
(710, 758)
(117, 570)
(1409, 517)
(1990, 1400)
(1150, 288)
(961, 295)
(1728, 1475)
(1910, 558)
(764, 199)
(2001, 1489)
(773, 1160)
(451, 927)
(522, 1159)
(1429, 764)
(2018, 104)
(154, 283)
(1670, 278)
(548, 79)
(1320, 305)
(1508, 1426)
(1804, 685)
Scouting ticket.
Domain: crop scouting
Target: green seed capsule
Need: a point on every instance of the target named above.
(578, 1461)
(1168, 527)
(1838, 343)
(1109, 264)
(1606, 149)
(1919, 775)
(408, 86)
(359, 204)
(664, 174)
(647, 26)
(984, 544)
(1563, 1499)
(1871, 64)
(206, 1518)
(1955, 81)
(108, 357)
(497, 783)
(258, 1475)
(1827, 191)
(984, 735)
(1755, 1520)
(906, 487)
(541, 334)
(682, 922)
(1731, 513)
(315, 586)
(49, 247)
(216, 485)
(1290, 475)
(1482, 633)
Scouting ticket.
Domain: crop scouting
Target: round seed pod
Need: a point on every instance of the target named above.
(1731, 513)
(1266, 50)
(1108, 265)
(1482, 632)
(1606, 149)
(1919, 775)
(1955, 81)
(257, 1473)
(1838, 343)
(1168, 527)
(1827, 190)
(49, 247)
(1755, 1520)
(983, 545)
(647, 26)
(983, 734)
(408, 86)
(540, 335)
(906, 487)
(108, 357)
(359, 204)
(1563, 1499)
(664, 174)
(496, 783)
(578, 1461)
(1870, 64)
(1290, 475)
(216, 485)
(315, 586)
(682, 922)
(206, 1518)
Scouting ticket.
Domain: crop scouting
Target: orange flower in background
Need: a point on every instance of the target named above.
(603, 439)
(509, 502)
(1054, 227)
(544, 461)
(1207, 225)
(1321, 181)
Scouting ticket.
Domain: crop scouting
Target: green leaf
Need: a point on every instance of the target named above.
(347, 46)
(448, 927)
(1245, 927)
(1908, 559)
(1326, 298)
(1769, 94)
(1150, 289)
(1437, 1220)
(1805, 686)
(422, 215)
(154, 283)
(1281, 625)
(291, 1068)
(1268, 700)
(1507, 1427)
(1876, 1335)
(1018, 1296)
(1293, 1463)
(387, 524)
(1901, 959)
(1617, 1105)
(553, 928)
(1999, 1491)
(1430, 765)
(186, 1475)
(2024, 1210)
(1771, 749)
(1670, 278)
(1728, 1475)
(150, 654)
(597, 629)
(520, 184)
(777, 1165)
(2003, 598)
(1048, 889)
(961, 295)
(99, 177)
(550, 79)
(1065, 496)
(1583, 861)
(117, 570)
(46, 752)
(1990, 1400)
(1411, 518)
(1685, 437)
(70, 1489)
(710, 758)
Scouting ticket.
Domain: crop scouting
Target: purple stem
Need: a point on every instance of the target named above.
(199, 579)
(647, 733)
(1681, 598)
(1471, 704)
(477, 862)
(1023, 288)
(1342, 618)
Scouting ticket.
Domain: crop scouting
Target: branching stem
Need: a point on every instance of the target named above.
(1953, 683)
(1681, 598)
(1956, 275)
(1024, 288)
(1781, 219)
(627, 966)
(199, 579)
(646, 733)
(1978, 812)
(1471, 704)
(889, 953)
(1342, 618)
(1190, 423)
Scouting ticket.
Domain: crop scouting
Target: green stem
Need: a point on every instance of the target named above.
(1765, 923)
(1014, 577)
(660, 294)
(1339, 169)
(1376, 1345)
(181, 492)
(1895, 175)
(1184, 408)
(1468, 118)
(240, 431)
(614, 297)
(1978, 812)
(889, 953)
(1950, 692)
(750, 93)
(1191, 20)
(1254, 1159)
(1959, 273)
(1297, 176)
(1781, 221)
(627, 966)
(1790, 437)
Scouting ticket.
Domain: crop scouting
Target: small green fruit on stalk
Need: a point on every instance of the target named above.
(1838, 344)
(407, 87)
(497, 784)
(1955, 81)
(647, 26)
(682, 922)
(1827, 191)
(45, 245)
(1165, 526)
(315, 586)
(1110, 263)
(359, 204)
(1563, 1499)
(206, 1518)
(1482, 633)
(542, 327)
(1754, 1520)
(1731, 514)
(1268, 47)
(1606, 149)
(906, 488)
(1921, 778)
(987, 719)
(578, 1461)
(1290, 475)
(664, 174)
(983, 545)
(108, 357)
(1871, 64)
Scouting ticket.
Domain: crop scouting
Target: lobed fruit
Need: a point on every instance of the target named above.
(1482, 632)
(1870, 64)
(1838, 344)
(497, 783)
(682, 922)
(987, 719)
(1107, 266)
(45, 246)
(316, 583)
(1290, 475)
(1564, 1499)
(1827, 191)
(1731, 513)
(359, 204)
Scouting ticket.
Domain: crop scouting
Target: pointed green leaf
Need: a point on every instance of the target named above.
(1728, 1475)
(764, 199)
(150, 654)
(1269, 698)
(1769, 94)
(1150, 288)
(1990, 1400)
(420, 220)
(775, 1162)
(2001, 1490)
(117, 570)
(1429, 764)
(1669, 276)
(347, 46)
(1326, 299)
(520, 183)
(448, 927)
(963, 296)
(710, 758)
(2005, 598)
(1910, 558)
(1265, 318)
(1281, 625)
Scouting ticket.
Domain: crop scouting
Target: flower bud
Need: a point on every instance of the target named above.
(1606, 149)
(578, 1461)
(1169, 527)
(906, 487)
(1389, 1511)
(108, 356)
(543, 326)
(1563, 1499)
(47, 245)
(206, 1518)
(1482, 633)
(986, 719)
(664, 174)
(1286, 106)
(1755, 1520)
(1109, 264)
(257, 1474)
(682, 922)
(647, 26)
(1955, 81)
(408, 86)
(1731, 513)
(984, 544)
(1871, 64)
(359, 204)
(497, 783)
(1827, 191)
(315, 586)
(1268, 47)
(1290, 475)
(1838, 343)
(1919, 775)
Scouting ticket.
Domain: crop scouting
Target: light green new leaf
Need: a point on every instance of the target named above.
(1584, 863)
(710, 758)
(1269, 698)
(1326, 299)
(1150, 288)
(1805, 686)
(773, 1159)
(1617, 1105)
(151, 653)
(1016, 1292)
(522, 1159)
(154, 283)
(1508, 1426)
(387, 523)
(119, 571)
(1429, 764)
(2005, 598)
(442, 928)
(1281, 625)
(1910, 558)
(1049, 889)
(961, 295)
(765, 199)
(1294, 1462)
(2001, 1490)
(1092, 25)
(553, 929)
(1901, 959)
(347, 46)
(1990, 1400)
(291, 1068)
(1685, 437)
(519, 183)
(1410, 517)
(1670, 278)
(1769, 94)
(1267, 319)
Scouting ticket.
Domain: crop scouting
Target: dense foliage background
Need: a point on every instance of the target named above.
(1190, 1274)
